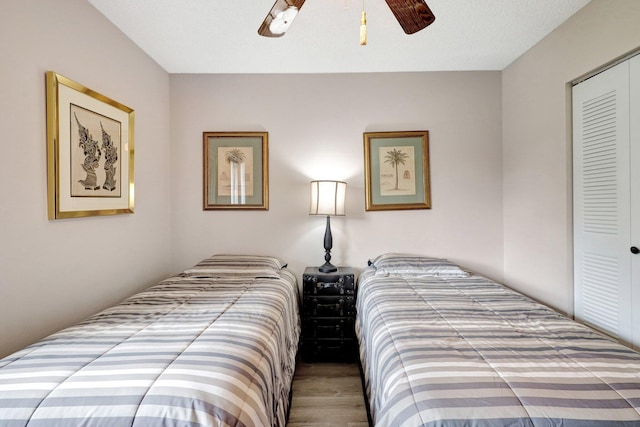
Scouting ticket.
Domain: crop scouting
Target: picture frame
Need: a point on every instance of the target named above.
(397, 170)
(236, 170)
(90, 151)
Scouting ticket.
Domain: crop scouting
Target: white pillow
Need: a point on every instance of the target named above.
(415, 265)
(222, 265)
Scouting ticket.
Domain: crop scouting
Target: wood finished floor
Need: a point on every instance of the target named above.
(327, 395)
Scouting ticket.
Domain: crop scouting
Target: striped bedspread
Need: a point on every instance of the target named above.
(189, 351)
(471, 352)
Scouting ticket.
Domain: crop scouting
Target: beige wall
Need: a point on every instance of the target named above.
(537, 144)
(54, 273)
(315, 125)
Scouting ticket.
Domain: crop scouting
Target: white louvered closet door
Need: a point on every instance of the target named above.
(602, 207)
(634, 71)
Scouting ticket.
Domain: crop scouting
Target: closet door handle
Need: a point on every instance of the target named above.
(635, 250)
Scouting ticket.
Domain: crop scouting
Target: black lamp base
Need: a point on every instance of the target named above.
(327, 267)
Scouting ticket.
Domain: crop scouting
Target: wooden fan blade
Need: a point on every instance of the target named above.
(413, 15)
(278, 6)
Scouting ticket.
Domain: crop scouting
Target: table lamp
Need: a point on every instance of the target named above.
(328, 198)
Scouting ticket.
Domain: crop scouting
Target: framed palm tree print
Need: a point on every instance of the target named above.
(236, 174)
(397, 170)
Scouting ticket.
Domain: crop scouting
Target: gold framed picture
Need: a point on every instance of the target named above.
(236, 170)
(397, 170)
(89, 151)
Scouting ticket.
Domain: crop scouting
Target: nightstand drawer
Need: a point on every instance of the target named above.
(328, 328)
(328, 284)
(329, 350)
(329, 306)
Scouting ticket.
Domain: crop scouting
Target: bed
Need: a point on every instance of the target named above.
(442, 347)
(212, 346)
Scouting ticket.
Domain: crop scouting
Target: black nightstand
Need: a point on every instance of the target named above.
(328, 315)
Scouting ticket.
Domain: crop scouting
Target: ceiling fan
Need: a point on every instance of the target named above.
(413, 16)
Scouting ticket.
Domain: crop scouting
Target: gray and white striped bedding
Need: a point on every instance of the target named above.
(190, 351)
(466, 351)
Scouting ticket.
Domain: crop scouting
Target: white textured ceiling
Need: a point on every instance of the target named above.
(220, 36)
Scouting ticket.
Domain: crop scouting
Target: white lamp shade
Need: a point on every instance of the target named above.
(328, 198)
